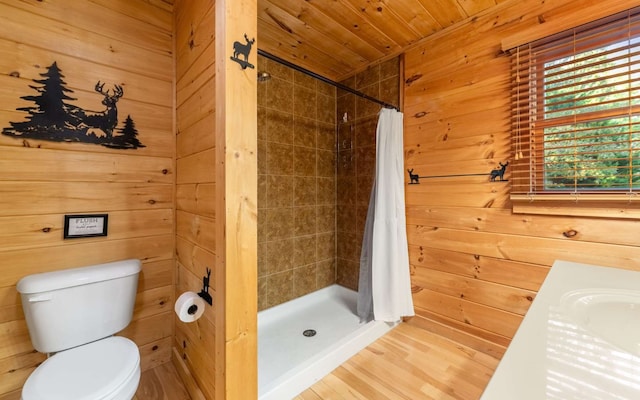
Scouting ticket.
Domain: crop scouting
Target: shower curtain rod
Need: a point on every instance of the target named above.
(325, 80)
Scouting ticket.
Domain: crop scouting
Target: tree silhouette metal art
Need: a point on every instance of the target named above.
(55, 118)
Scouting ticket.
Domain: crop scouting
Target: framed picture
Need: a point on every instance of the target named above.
(85, 225)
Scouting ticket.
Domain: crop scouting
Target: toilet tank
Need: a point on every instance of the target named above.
(71, 307)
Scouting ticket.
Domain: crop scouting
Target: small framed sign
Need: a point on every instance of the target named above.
(85, 225)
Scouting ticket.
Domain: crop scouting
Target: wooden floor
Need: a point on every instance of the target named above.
(161, 383)
(407, 363)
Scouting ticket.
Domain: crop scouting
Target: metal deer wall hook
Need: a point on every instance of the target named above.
(204, 293)
(243, 49)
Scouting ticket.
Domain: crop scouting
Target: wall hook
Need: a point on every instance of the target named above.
(204, 293)
(243, 49)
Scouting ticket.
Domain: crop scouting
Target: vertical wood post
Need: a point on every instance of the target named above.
(236, 209)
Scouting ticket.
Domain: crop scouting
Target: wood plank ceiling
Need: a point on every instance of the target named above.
(337, 38)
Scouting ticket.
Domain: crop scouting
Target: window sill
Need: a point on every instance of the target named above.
(584, 205)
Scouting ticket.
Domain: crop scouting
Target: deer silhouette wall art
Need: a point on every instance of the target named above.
(54, 117)
(499, 172)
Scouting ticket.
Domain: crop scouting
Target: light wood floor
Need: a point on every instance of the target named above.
(161, 383)
(407, 363)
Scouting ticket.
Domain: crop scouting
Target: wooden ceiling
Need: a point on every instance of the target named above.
(337, 38)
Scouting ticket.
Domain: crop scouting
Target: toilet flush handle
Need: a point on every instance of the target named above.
(41, 298)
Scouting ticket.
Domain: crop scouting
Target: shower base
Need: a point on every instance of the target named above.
(291, 357)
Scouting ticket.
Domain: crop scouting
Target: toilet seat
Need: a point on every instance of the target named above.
(108, 369)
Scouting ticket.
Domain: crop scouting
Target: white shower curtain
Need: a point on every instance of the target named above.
(384, 291)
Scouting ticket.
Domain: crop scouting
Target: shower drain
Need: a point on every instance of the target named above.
(309, 333)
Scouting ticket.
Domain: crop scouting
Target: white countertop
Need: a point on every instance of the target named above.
(562, 352)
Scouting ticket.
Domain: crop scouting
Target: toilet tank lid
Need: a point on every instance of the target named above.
(67, 278)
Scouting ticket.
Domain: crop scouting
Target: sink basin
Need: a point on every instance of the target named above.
(611, 314)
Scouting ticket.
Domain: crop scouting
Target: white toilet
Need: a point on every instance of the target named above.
(74, 313)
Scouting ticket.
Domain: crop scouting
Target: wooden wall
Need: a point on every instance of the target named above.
(216, 197)
(123, 42)
(195, 187)
(476, 266)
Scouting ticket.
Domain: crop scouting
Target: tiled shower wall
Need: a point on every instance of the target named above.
(357, 119)
(296, 185)
(312, 200)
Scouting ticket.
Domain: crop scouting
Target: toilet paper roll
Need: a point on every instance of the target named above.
(189, 307)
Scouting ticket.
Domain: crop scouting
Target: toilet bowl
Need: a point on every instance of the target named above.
(72, 316)
(108, 369)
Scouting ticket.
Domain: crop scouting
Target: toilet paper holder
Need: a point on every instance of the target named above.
(204, 293)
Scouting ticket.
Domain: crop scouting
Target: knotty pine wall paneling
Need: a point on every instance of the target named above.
(216, 197)
(194, 344)
(476, 266)
(126, 43)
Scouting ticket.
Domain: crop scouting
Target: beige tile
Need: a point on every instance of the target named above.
(304, 161)
(262, 294)
(304, 221)
(390, 68)
(279, 126)
(279, 191)
(361, 217)
(262, 157)
(262, 191)
(326, 89)
(262, 93)
(304, 250)
(347, 273)
(279, 94)
(279, 256)
(349, 82)
(346, 220)
(279, 159)
(365, 131)
(326, 218)
(346, 163)
(262, 259)
(279, 288)
(346, 190)
(305, 131)
(367, 77)
(325, 273)
(365, 184)
(347, 246)
(304, 280)
(326, 246)
(278, 70)
(346, 104)
(304, 191)
(278, 223)
(366, 108)
(326, 109)
(390, 91)
(326, 136)
(304, 80)
(262, 122)
(326, 163)
(326, 191)
(304, 102)
(365, 160)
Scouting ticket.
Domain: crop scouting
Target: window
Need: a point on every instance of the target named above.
(576, 116)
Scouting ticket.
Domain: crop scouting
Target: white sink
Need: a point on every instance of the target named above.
(611, 314)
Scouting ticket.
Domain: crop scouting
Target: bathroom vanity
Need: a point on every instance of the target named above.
(580, 340)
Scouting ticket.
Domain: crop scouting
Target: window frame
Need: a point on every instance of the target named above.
(621, 203)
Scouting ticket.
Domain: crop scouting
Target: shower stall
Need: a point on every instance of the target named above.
(316, 161)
